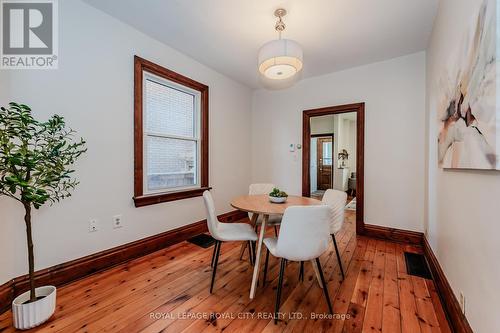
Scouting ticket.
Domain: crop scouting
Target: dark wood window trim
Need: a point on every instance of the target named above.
(141, 65)
(321, 135)
(359, 108)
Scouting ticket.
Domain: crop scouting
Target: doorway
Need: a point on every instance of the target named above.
(333, 159)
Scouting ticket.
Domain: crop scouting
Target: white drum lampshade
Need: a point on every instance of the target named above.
(280, 59)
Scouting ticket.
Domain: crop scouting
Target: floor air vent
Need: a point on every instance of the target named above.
(417, 266)
(203, 240)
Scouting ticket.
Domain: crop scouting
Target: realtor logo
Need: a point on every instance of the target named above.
(29, 34)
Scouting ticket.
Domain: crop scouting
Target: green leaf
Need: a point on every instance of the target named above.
(36, 157)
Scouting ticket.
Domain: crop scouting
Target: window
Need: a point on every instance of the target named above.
(171, 135)
(327, 153)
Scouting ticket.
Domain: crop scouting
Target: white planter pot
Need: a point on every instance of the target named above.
(277, 199)
(29, 315)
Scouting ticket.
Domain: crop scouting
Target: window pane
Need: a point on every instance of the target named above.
(327, 150)
(171, 163)
(327, 153)
(169, 111)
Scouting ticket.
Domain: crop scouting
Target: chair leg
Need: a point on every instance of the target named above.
(301, 272)
(338, 256)
(316, 272)
(213, 254)
(275, 231)
(278, 291)
(325, 286)
(265, 268)
(216, 261)
(242, 249)
(255, 242)
(251, 253)
(254, 250)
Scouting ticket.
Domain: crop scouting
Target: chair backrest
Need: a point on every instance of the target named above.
(260, 188)
(336, 200)
(212, 221)
(304, 233)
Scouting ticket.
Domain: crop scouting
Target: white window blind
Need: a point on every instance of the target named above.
(171, 114)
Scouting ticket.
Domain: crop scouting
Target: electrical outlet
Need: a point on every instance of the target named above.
(93, 225)
(117, 221)
(462, 302)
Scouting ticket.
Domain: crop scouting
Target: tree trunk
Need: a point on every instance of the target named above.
(31, 257)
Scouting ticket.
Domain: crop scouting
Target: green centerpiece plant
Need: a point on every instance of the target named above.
(277, 196)
(277, 193)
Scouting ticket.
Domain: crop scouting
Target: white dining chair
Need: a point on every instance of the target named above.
(303, 237)
(337, 201)
(225, 232)
(273, 220)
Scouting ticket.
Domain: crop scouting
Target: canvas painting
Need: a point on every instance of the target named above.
(469, 133)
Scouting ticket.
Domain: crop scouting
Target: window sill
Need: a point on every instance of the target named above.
(152, 199)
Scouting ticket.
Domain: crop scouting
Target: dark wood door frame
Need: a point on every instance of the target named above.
(359, 108)
(322, 135)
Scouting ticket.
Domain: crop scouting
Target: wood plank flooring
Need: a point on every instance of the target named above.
(168, 291)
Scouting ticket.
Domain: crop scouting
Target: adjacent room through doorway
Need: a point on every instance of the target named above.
(333, 155)
(333, 140)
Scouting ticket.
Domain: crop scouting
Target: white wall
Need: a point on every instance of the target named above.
(346, 138)
(462, 206)
(348, 141)
(93, 90)
(394, 92)
(314, 164)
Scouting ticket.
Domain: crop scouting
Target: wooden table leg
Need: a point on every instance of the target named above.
(256, 268)
(253, 222)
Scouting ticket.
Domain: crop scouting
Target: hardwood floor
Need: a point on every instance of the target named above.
(168, 291)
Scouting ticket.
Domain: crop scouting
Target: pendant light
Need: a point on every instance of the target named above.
(280, 59)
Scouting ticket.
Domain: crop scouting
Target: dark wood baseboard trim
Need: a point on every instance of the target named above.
(394, 235)
(451, 306)
(79, 268)
(6, 296)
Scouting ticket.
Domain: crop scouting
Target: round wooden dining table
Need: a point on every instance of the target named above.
(260, 205)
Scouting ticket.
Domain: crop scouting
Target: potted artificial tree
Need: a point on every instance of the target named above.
(35, 169)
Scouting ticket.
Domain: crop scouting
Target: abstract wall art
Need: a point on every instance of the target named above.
(469, 119)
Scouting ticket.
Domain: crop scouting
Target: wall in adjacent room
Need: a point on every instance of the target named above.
(314, 164)
(323, 125)
(462, 218)
(93, 90)
(394, 93)
(348, 141)
(346, 138)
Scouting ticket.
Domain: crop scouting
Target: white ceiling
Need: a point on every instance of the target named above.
(335, 34)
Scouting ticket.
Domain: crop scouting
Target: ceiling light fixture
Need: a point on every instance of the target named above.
(280, 59)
